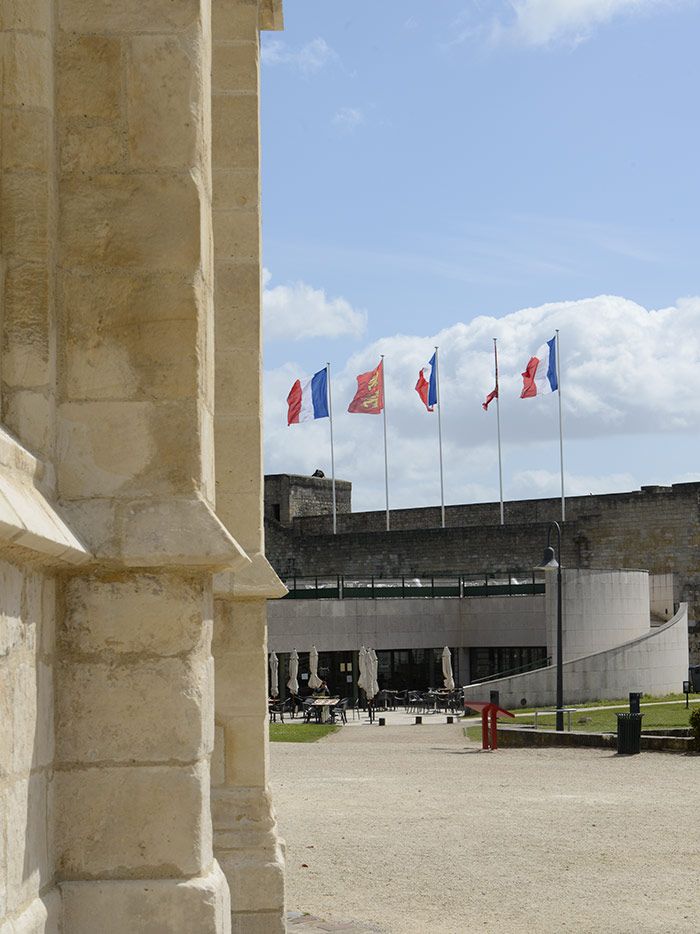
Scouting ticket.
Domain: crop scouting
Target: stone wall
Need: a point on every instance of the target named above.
(656, 529)
(289, 498)
(131, 485)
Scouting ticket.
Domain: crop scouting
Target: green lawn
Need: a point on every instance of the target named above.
(300, 732)
(661, 716)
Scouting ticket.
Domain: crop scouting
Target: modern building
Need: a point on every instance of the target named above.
(472, 586)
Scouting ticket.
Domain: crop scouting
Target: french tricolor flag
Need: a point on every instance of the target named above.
(540, 376)
(308, 400)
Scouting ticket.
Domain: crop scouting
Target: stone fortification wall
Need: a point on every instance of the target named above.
(654, 664)
(290, 498)
(657, 529)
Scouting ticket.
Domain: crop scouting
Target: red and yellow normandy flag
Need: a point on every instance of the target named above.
(369, 398)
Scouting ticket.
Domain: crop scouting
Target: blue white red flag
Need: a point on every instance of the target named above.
(540, 375)
(426, 387)
(308, 399)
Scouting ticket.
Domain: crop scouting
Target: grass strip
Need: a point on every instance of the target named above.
(300, 732)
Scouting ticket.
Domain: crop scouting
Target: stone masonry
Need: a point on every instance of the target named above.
(132, 572)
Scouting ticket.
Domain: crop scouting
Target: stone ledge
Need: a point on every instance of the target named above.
(156, 532)
(27, 519)
(255, 581)
(271, 15)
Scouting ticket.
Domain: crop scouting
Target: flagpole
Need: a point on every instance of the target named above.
(439, 408)
(498, 423)
(386, 455)
(561, 432)
(330, 414)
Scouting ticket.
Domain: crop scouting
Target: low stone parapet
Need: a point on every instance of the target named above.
(524, 738)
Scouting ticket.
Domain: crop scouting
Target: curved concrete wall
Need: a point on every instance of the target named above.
(655, 663)
(601, 609)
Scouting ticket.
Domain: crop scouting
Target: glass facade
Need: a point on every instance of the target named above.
(487, 662)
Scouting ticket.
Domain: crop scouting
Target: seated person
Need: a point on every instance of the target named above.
(322, 690)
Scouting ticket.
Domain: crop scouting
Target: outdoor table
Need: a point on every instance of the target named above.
(322, 708)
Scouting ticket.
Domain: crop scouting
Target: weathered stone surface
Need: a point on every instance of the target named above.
(24, 220)
(89, 83)
(149, 906)
(34, 15)
(235, 67)
(27, 72)
(156, 710)
(90, 149)
(128, 334)
(28, 865)
(108, 615)
(235, 132)
(153, 822)
(235, 20)
(26, 327)
(165, 110)
(26, 140)
(29, 414)
(125, 16)
(131, 221)
(236, 235)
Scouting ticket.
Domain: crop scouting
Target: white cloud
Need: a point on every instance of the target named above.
(541, 22)
(630, 381)
(308, 59)
(348, 119)
(299, 312)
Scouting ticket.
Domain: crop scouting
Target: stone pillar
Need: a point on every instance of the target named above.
(135, 469)
(245, 839)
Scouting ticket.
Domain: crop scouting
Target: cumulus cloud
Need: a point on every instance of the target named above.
(627, 373)
(541, 22)
(299, 311)
(309, 58)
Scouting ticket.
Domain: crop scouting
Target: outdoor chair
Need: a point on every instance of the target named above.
(279, 707)
(414, 702)
(340, 710)
(308, 710)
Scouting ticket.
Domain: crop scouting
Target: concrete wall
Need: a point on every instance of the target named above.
(345, 625)
(655, 663)
(600, 609)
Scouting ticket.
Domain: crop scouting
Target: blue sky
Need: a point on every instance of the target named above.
(428, 165)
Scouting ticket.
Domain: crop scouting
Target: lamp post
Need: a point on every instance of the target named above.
(552, 560)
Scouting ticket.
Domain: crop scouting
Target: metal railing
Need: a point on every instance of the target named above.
(507, 584)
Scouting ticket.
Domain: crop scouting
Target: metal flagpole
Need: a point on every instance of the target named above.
(498, 423)
(330, 414)
(386, 455)
(561, 432)
(439, 408)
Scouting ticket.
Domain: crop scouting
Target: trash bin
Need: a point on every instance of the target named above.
(694, 673)
(629, 733)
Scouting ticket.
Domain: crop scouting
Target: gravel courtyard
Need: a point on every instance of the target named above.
(415, 831)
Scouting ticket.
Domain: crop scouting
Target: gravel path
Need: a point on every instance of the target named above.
(415, 831)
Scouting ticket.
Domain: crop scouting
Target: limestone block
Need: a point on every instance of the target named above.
(48, 616)
(89, 77)
(128, 16)
(164, 107)
(238, 397)
(42, 916)
(235, 67)
(133, 822)
(29, 414)
(26, 140)
(131, 337)
(126, 448)
(238, 307)
(263, 922)
(24, 218)
(242, 512)
(246, 741)
(28, 866)
(27, 73)
(91, 148)
(236, 188)
(25, 360)
(34, 15)
(218, 761)
(235, 20)
(236, 235)
(248, 878)
(241, 684)
(235, 134)
(149, 906)
(131, 220)
(152, 614)
(158, 710)
(240, 465)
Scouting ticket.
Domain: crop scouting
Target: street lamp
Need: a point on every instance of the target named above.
(552, 560)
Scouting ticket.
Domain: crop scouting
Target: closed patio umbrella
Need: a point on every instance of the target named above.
(293, 684)
(362, 681)
(314, 680)
(447, 669)
(274, 675)
(372, 668)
